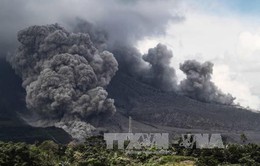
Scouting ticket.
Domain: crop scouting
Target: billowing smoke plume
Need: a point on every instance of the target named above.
(161, 74)
(198, 84)
(64, 75)
(98, 35)
(125, 21)
(152, 68)
(117, 26)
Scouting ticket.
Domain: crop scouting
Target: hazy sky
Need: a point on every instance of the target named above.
(226, 32)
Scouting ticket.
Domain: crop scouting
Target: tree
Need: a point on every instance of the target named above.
(243, 138)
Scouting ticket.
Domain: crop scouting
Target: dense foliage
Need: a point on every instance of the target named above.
(233, 154)
(93, 152)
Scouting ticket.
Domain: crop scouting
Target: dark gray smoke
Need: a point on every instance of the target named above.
(125, 21)
(116, 25)
(152, 68)
(161, 74)
(117, 22)
(120, 29)
(98, 35)
(198, 84)
(63, 74)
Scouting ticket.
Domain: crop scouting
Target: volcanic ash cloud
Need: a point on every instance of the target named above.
(64, 75)
(161, 74)
(198, 84)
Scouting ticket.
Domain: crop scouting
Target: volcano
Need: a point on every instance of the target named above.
(151, 109)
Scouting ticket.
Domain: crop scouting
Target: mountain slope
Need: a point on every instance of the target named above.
(172, 112)
(152, 111)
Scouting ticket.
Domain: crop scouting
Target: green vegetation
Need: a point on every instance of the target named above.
(246, 155)
(93, 152)
(243, 138)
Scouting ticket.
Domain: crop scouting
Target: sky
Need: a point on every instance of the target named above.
(225, 32)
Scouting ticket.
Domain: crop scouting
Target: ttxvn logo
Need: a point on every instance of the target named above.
(137, 140)
(202, 141)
